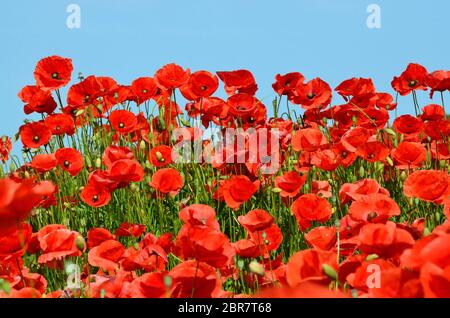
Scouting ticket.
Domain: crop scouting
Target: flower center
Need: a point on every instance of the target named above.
(372, 215)
(159, 157)
(144, 91)
(203, 87)
(35, 138)
(95, 198)
(66, 164)
(121, 125)
(311, 95)
(412, 83)
(55, 75)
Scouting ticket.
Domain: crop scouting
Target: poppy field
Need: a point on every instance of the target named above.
(162, 189)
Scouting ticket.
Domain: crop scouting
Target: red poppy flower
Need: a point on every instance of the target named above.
(167, 180)
(290, 183)
(53, 72)
(37, 100)
(439, 81)
(238, 190)
(386, 240)
(199, 215)
(85, 92)
(205, 245)
(321, 188)
(59, 243)
(106, 255)
(149, 285)
(200, 84)
(435, 281)
(144, 88)
(315, 94)
(431, 248)
(309, 264)
(194, 279)
(115, 153)
(322, 238)
(35, 135)
(43, 162)
(285, 84)
(171, 76)
(148, 258)
(242, 105)
(70, 160)
(360, 189)
(97, 236)
(415, 77)
(408, 125)
(310, 207)
(373, 151)
(95, 195)
(375, 208)
(239, 81)
(17, 199)
(356, 87)
(160, 156)
(306, 289)
(14, 240)
(247, 248)
(5, 148)
(268, 240)
(124, 171)
(409, 155)
(432, 112)
(256, 220)
(60, 124)
(27, 292)
(123, 121)
(437, 130)
(127, 229)
(385, 101)
(428, 185)
(308, 139)
(354, 138)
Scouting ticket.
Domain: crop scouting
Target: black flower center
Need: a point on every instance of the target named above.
(55, 75)
(66, 164)
(35, 138)
(121, 125)
(95, 198)
(144, 91)
(311, 95)
(372, 215)
(412, 83)
(203, 87)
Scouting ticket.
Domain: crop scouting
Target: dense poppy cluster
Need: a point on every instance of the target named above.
(358, 208)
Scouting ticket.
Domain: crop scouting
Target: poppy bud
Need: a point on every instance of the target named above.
(256, 268)
(329, 271)
(426, 231)
(437, 216)
(442, 163)
(134, 187)
(371, 257)
(403, 176)
(167, 281)
(80, 243)
(142, 145)
(148, 165)
(240, 264)
(98, 163)
(389, 161)
(361, 171)
(79, 112)
(276, 190)
(88, 162)
(390, 131)
(12, 167)
(4, 286)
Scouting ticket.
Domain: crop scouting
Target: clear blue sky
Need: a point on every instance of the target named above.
(127, 39)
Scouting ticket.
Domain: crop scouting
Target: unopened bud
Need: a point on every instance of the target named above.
(256, 268)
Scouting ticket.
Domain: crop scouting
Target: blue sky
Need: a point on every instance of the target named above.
(127, 39)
